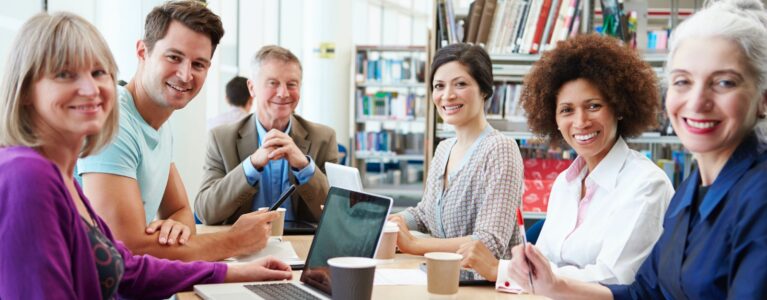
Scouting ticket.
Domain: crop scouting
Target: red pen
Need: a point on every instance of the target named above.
(521, 225)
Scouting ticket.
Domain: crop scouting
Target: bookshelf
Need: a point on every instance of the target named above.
(515, 42)
(388, 120)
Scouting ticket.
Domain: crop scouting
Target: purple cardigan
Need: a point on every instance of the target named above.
(44, 249)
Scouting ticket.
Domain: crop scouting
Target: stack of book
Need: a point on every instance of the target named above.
(389, 105)
(388, 142)
(389, 68)
(505, 103)
(511, 26)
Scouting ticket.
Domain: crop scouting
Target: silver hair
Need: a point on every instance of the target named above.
(270, 52)
(741, 21)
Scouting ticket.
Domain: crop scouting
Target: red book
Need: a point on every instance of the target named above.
(540, 26)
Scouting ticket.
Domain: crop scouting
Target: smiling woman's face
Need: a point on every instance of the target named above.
(585, 120)
(72, 104)
(712, 99)
(456, 94)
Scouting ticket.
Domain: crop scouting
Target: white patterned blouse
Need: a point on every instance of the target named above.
(482, 196)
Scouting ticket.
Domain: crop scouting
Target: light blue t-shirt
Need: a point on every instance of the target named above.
(137, 151)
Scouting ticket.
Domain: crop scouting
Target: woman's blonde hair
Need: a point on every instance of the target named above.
(48, 44)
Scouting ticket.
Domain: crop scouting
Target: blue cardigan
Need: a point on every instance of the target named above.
(44, 248)
(723, 255)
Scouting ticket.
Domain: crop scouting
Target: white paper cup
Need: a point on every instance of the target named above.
(387, 248)
(278, 224)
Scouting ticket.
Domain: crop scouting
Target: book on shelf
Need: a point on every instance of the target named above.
(512, 26)
(452, 27)
(373, 66)
(391, 105)
(504, 104)
(540, 26)
(550, 23)
(657, 39)
(389, 142)
(475, 14)
(497, 24)
(485, 23)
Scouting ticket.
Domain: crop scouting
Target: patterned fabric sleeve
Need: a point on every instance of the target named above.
(503, 175)
(417, 217)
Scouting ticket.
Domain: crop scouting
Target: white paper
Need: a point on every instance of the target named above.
(399, 277)
(282, 250)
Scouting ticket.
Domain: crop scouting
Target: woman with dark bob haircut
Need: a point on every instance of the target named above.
(475, 179)
(601, 221)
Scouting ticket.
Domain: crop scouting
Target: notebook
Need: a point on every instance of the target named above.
(351, 225)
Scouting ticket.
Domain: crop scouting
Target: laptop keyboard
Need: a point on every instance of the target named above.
(280, 291)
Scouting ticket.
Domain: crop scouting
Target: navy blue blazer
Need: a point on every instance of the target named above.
(724, 254)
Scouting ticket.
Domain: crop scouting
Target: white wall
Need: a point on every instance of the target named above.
(11, 21)
(325, 97)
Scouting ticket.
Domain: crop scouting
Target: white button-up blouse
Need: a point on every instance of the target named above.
(606, 235)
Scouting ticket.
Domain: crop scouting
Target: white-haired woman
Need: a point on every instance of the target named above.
(714, 243)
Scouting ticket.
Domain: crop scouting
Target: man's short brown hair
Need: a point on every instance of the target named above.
(192, 13)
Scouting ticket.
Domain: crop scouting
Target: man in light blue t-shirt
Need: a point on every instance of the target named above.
(133, 183)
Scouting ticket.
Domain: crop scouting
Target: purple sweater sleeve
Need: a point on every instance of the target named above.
(35, 233)
(45, 252)
(150, 277)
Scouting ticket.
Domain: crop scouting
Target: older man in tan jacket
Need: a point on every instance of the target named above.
(249, 163)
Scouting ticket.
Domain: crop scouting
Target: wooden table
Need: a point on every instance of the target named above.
(302, 243)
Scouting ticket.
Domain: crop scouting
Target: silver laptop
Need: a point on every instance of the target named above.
(343, 177)
(351, 225)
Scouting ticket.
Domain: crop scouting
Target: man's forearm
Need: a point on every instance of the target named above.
(207, 247)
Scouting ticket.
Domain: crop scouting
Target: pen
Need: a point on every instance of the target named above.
(521, 224)
(283, 197)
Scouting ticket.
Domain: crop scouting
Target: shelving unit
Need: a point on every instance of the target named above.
(511, 69)
(388, 120)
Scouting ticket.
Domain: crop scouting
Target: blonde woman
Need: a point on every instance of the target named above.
(57, 104)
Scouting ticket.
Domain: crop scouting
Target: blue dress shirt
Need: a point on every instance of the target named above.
(274, 177)
(721, 251)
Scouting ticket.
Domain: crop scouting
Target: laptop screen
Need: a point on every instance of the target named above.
(351, 225)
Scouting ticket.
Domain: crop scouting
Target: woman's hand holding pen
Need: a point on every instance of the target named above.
(544, 279)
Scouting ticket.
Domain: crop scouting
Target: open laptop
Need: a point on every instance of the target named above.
(343, 177)
(351, 225)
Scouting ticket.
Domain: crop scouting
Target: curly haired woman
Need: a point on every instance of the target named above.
(606, 210)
